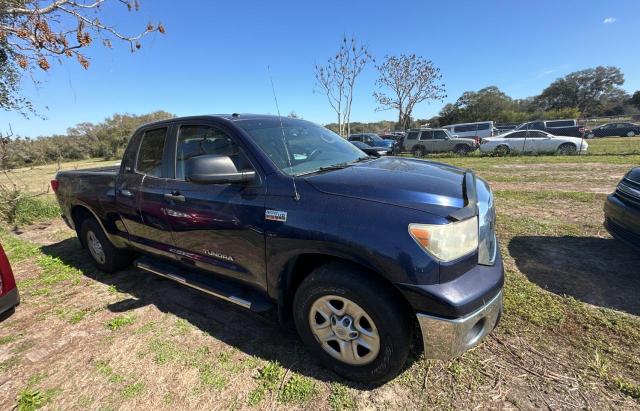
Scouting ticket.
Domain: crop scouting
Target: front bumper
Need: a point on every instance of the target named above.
(622, 220)
(448, 338)
(9, 300)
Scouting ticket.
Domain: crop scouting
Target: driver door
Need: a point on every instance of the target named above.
(216, 227)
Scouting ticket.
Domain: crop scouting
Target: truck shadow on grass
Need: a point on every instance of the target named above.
(256, 334)
(598, 271)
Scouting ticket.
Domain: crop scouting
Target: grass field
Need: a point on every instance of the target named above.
(569, 338)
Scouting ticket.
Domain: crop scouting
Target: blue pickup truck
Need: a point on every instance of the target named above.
(281, 214)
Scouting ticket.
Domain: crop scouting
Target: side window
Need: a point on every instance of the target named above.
(483, 126)
(439, 135)
(426, 135)
(537, 134)
(538, 125)
(150, 152)
(413, 135)
(517, 134)
(198, 140)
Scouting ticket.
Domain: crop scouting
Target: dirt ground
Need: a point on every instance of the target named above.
(569, 338)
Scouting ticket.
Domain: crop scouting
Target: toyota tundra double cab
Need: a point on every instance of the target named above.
(281, 214)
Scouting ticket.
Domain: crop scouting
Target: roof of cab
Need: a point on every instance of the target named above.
(227, 117)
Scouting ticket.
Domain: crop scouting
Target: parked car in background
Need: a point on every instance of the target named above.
(555, 127)
(374, 140)
(479, 129)
(281, 214)
(532, 141)
(372, 151)
(505, 127)
(437, 140)
(615, 130)
(9, 297)
(622, 209)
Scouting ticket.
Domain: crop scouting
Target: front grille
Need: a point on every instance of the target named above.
(627, 192)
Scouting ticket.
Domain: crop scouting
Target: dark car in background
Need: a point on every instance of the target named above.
(568, 128)
(9, 297)
(374, 140)
(615, 130)
(371, 151)
(622, 209)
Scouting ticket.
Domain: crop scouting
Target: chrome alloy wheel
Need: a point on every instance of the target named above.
(344, 330)
(95, 248)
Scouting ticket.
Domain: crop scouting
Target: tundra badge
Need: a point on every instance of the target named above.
(275, 215)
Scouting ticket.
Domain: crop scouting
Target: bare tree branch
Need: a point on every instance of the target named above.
(410, 80)
(337, 79)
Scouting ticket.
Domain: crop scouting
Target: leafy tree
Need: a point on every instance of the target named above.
(337, 79)
(86, 140)
(593, 91)
(407, 80)
(34, 32)
(635, 100)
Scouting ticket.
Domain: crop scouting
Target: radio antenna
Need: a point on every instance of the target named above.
(296, 196)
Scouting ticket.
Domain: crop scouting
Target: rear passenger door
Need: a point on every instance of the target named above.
(216, 227)
(426, 141)
(140, 193)
(516, 141)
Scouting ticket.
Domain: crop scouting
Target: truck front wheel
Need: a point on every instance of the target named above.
(104, 255)
(352, 323)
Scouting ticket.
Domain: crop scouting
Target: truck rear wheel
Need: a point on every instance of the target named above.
(104, 255)
(353, 324)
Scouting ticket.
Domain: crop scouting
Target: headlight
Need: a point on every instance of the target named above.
(447, 242)
(382, 152)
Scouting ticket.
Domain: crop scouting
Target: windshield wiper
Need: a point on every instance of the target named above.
(337, 166)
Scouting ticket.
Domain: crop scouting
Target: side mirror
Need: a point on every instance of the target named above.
(216, 169)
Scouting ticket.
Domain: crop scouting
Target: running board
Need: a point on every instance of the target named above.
(207, 283)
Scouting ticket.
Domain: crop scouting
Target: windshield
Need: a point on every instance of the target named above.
(310, 147)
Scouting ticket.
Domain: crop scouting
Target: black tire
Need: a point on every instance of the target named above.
(567, 149)
(502, 150)
(462, 149)
(418, 152)
(387, 312)
(114, 258)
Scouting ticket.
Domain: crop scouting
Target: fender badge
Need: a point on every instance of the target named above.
(275, 215)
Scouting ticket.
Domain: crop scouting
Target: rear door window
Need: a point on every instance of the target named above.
(150, 154)
(412, 135)
(426, 135)
(439, 135)
(560, 123)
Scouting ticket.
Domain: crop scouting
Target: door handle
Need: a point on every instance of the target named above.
(174, 196)
(125, 193)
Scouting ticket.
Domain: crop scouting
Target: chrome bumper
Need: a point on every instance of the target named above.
(447, 338)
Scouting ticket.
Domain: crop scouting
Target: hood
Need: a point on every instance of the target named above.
(388, 143)
(421, 185)
(634, 175)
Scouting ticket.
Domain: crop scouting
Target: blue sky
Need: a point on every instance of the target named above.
(215, 54)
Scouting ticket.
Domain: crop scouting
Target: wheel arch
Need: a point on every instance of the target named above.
(80, 212)
(299, 267)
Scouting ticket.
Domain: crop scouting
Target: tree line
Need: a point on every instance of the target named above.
(106, 139)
